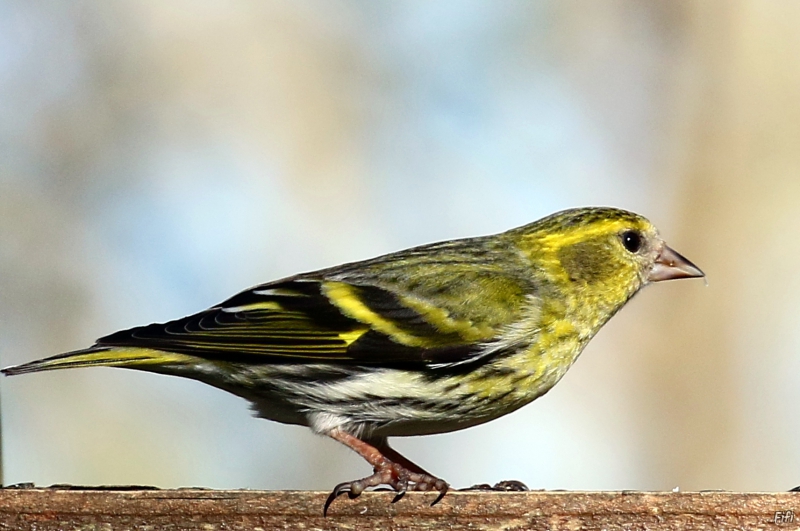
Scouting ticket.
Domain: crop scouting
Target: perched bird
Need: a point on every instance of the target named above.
(432, 339)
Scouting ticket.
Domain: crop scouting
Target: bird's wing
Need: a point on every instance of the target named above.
(435, 305)
(305, 320)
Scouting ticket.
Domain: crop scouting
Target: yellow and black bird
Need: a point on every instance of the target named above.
(428, 340)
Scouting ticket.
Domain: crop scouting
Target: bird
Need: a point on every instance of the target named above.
(427, 340)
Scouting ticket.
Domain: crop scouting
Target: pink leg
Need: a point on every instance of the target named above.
(390, 468)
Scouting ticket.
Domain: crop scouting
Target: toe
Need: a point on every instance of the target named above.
(511, 485)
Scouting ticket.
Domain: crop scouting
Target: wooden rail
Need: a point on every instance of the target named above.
(108, 508)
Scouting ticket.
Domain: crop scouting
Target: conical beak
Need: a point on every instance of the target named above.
(670, 265)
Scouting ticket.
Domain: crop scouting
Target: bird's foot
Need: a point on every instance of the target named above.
(399, 478)
(509, 485)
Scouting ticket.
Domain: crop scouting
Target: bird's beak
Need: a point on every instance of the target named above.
(670, 265)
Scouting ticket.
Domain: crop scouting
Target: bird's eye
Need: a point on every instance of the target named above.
(632, 241)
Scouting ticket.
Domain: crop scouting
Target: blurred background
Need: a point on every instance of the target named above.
(157, 157)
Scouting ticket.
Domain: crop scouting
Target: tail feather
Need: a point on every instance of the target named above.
(99, 355)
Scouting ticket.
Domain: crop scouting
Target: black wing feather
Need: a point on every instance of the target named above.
(302, 327)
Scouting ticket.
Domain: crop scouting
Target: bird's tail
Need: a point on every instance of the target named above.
(99, 355)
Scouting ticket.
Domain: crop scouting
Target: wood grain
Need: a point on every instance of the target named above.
(190, 509)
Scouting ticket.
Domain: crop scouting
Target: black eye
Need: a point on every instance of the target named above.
(632, 240)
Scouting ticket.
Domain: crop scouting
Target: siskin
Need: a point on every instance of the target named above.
(429, 340)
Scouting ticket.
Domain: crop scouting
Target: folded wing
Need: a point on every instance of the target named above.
(431, 306)
(309, 321)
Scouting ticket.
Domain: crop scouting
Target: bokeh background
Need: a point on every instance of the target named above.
(157, 157)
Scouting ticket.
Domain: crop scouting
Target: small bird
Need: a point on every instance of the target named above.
(432, 339)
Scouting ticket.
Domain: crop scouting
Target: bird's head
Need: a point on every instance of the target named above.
(602, 255)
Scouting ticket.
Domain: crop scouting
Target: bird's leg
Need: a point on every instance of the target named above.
(393, 455)
(390, 468)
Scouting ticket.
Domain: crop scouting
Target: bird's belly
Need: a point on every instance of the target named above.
(388, 402)
(381, 401)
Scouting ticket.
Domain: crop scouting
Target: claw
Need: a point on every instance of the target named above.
(442, 492)
(401, 487)
(338, 490)
(328, 502)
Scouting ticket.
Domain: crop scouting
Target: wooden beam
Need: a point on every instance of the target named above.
(59, 508)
